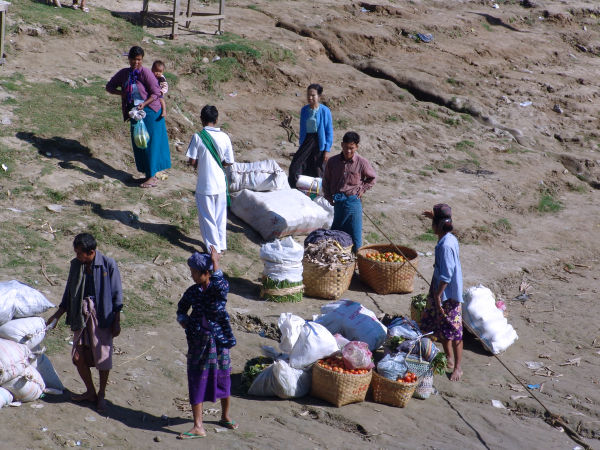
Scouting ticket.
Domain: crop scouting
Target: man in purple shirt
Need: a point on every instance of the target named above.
(347, 177)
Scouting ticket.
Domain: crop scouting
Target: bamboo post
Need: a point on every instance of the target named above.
(3, 12)
(175, 17)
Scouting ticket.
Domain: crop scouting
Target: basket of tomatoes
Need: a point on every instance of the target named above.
(394, 393)
(334, 383)
(387, 268)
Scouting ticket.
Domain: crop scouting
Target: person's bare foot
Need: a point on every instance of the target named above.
(85, 397)
(450, 365)
(101, 404)
(150, 182)
(193, 433)
(457, 374)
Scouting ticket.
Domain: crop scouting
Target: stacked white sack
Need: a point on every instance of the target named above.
(486, 321)
(260, 176)
(282, 260)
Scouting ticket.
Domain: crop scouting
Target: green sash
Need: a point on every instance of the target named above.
(210, 145)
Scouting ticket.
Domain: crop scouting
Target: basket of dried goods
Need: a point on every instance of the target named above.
(388, 269)
(332, 382)
(394, 393)
(328, 269)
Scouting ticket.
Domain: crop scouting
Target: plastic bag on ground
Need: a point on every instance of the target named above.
(264, 384)
(357, 356)
(354, 322)
(290, 382)
(141, 137)
(341, 340)
(14, 359)
(257, 176)
(5, 397)
(17, 300)
(29, 331)
(315, 342)
(282, 260)
(43, 365)
(486, 321)
(392, 366)
(290, 327)
(279, 213)
(404, 327)
(27, 387)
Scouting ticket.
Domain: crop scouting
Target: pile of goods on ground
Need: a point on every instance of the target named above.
(25, 372)
(328, 263)
(282, 274)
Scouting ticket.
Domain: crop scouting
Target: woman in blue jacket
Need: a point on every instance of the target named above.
(316, 137)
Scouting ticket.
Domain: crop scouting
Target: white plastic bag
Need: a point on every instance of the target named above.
(392, 366)
(14, 358)
(328, 207)
(27, 387)
(354, 322)
(5, 397)
(18, 300)
(264, 384)
(315, 342)
(290, 382)
(43, 365)
(290, 327)
(486, 321)
(311, 185)
(256, 176)
(279, 213)
(29, 331)
(282, 260)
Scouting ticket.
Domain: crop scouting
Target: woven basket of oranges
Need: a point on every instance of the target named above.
(385, 270)
(332, 382)
(394, 393)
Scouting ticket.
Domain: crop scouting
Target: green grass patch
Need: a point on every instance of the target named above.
(428, 236)
(392, 118)
(486, 26)
(453, 81)
(548, 203)
(373, 237)
(55, 196)
(341, 123)
(503, 224)
(464, 144)
(447, 165)
(143, 245)
(141, 310)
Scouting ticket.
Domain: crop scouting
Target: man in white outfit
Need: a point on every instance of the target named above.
(210, 151)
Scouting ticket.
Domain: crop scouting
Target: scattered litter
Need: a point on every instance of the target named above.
(534, 386)
(305, 413)
(211, 411)
(90, 419)
(216, 58)
(515, 387)
(517, 396)
(425, 37)
(205, 60)
(527, 103)
(162, 176)
(152, 333)
(220, 430)
(233, 94)
(78, 443)
(14, 404)
(495, 6)
(544, 356)
(501, 305)
(43, 429)
(535, 365)
(557, 109)
(148, 358)
(37, 405)
(164, 417)
(15, 210)
(48, 154)
(363, 9)
(498, 404)
(4, 167)
(70, 342)
(54, 208)
(158, 42)
(429, 254)
(157, 439)
(572, 362)
(6, 121)
(53, 391)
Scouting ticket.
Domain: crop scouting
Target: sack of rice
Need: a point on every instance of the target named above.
(27, 387)
(14, 358)
(29, 331)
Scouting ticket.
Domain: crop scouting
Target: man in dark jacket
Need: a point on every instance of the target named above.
(93, 300)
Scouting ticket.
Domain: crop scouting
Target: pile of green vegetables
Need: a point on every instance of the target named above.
(419, 302)
(439, 363)
(273, 285)
(252, 369)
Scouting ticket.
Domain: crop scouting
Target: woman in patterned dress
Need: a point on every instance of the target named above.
(443, 313)
(209, 338)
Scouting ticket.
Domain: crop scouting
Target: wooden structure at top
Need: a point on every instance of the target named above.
(3, 12)
(178, 15)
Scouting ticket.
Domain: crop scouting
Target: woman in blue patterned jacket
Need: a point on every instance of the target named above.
(209, 337)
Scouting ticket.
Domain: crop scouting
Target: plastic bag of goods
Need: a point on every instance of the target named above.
(354, 322)
(392, 366)
(258, 176)
(278, 213)
(252, 370)
(141, 137)
(29, 331)
(482, 318)
(290, 326)
(357, 355)
(264, 384)
(27, 387)
(51, 379)
(5, 397)
(282, 273)
(290, 382)
(315, 342)
(17, 300)
(14, 358)
(341, 340)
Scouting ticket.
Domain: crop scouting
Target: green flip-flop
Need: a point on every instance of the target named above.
(188, 435)
(232, 425)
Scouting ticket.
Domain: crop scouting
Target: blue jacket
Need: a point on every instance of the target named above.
(447, 268)
(324, 126)
(107, 283)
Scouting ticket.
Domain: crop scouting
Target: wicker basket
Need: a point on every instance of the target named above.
(392, 392)
(321, 282)
(416, 365)
(339, 388)
(425, 387)
(387, 277)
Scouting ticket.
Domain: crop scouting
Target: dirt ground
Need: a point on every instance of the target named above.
(497, 116)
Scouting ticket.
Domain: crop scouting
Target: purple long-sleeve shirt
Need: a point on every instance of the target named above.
(147, 85)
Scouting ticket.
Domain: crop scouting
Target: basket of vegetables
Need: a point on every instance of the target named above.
(418, 303)
(385, 270)
(332, 382)
(394, 393)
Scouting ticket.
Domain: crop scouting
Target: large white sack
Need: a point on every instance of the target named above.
(264, 384)
(282, 260)
(290, 382)
(51, 379)
(279, 213)
(487, 322)
(328, 207)
(354, 322)
(256, 176)
(27, 387)
(315, 342)
(5, 397)
(14, 358)
(19, 300)
(312, 185)
(29, 331)
(290, 326)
